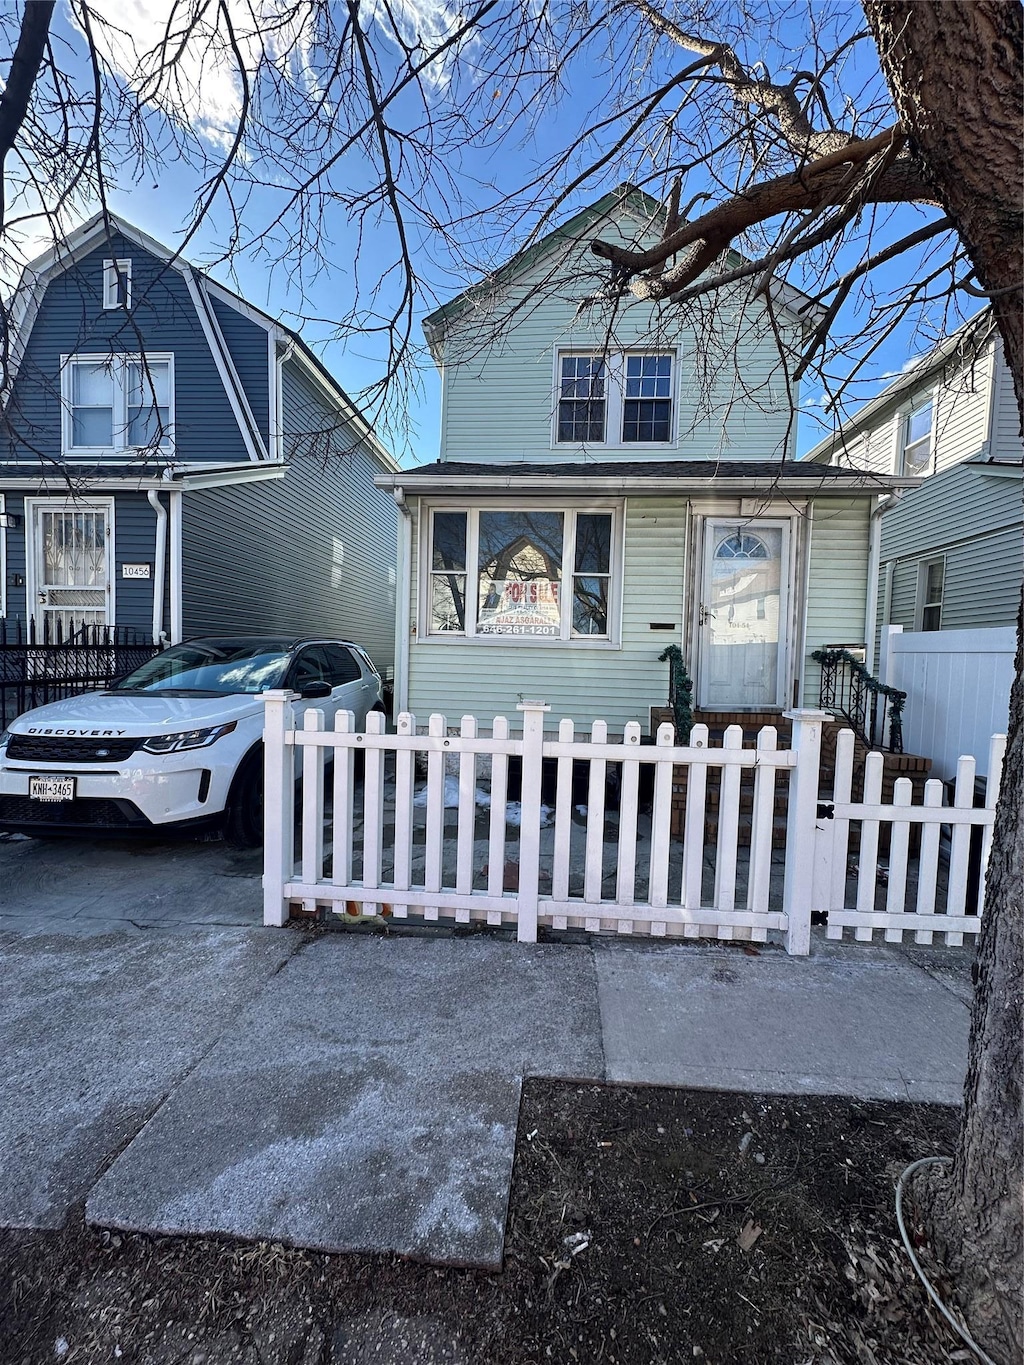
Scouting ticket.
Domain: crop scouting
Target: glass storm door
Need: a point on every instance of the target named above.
(743, 614)
(72, 567)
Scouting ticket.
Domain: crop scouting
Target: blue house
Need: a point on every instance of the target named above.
(175, 461)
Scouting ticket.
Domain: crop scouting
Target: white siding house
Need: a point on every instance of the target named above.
(617, 477)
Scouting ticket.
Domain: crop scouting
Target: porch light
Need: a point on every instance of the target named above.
(9, 521)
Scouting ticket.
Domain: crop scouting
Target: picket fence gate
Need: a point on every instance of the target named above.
(376, 838)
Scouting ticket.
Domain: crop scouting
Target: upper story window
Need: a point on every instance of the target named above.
(916, 439)
(117, 404)
(620, 399)
(534, 573)
(117, 284)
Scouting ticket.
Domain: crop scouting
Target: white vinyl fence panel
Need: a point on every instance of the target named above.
(958, 691)
(551, 829)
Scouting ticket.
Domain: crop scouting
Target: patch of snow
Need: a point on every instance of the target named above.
(451, 795)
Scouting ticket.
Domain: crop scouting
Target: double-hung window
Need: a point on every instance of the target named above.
(536, 574)
(916, 439)
(622, 398)
(117, 404)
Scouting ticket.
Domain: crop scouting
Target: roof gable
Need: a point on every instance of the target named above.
(624, 202)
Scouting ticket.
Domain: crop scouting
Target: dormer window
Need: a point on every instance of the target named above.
(117, 284)
(916, 445)
(117, 404)
(619, 399)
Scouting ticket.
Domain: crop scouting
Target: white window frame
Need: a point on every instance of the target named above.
(615, 396)
(112, 271)
(118, 365)
(903, 420)
(613, 640)
(921, 603)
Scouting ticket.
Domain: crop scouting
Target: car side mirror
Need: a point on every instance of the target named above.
(316, 691)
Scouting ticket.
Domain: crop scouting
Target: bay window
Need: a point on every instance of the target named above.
(618, 399)
(117, 404)
(536, 574)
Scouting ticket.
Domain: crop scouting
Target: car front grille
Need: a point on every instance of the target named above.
(71, 749)
(84, 812)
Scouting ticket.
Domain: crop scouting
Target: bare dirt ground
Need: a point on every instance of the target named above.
(646, 1227)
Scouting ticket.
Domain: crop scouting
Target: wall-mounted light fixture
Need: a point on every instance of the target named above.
(9, 521)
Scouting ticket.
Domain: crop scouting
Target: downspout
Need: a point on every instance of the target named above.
(402, 614)
(159, 561)
(874, 555)
(175, 500)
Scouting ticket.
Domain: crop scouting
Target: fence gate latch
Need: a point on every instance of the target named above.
(826, 812)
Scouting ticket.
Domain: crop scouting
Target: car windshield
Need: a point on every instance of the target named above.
(218, 666)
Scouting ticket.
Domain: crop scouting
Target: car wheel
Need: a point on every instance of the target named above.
(244, 824)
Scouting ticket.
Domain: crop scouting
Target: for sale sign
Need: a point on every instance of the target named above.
(514, 607)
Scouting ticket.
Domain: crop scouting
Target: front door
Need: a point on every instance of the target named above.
(70, 559)
(743, 615)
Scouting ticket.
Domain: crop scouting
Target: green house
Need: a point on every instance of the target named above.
(616, 478)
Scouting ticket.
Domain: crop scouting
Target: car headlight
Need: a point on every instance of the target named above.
(4, 737)
(188, 739)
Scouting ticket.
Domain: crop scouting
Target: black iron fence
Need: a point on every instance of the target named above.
(872, 709)
(43, 665)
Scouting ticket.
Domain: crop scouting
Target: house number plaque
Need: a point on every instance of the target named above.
(135, 570)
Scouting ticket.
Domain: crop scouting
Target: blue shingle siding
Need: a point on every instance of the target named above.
(71, 319)
(313, 552)
(249, 348)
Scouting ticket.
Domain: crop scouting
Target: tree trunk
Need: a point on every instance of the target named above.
(955, 72)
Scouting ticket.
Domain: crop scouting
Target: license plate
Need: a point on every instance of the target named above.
(51, 788)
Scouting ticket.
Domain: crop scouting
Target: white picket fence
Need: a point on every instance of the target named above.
(424, 827)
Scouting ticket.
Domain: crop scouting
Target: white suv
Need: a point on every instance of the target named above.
(176, 743)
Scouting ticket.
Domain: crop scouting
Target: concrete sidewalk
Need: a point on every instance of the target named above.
(359, 1093)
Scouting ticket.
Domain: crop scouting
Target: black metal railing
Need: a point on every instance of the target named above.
(680, 692)
(38, 666)
(872, 709)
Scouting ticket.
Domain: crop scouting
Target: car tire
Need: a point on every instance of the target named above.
(243, 826)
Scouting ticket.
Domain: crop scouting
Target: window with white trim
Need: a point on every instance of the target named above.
(534, 573)
(117, 404)
(916, 439)
(930, 584)
(117, 284)
(625, 398)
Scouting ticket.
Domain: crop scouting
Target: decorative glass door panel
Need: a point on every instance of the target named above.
(743, 614)
(72, 568)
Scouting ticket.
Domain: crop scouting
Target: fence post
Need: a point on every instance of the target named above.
(886, 654)
(800, 827)
(278, 803)
(529, 827)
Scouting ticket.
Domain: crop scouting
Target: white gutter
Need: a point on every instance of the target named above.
(176, 566)
(871, 600)
(159, 561)
(402, 613)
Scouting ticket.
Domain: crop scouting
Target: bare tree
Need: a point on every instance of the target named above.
(875, 135)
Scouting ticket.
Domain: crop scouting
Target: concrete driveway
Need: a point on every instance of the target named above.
(180, 1069)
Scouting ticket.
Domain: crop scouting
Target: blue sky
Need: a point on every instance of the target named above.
(528, 133)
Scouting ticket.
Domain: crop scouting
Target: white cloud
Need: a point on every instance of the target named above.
(203, 90)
